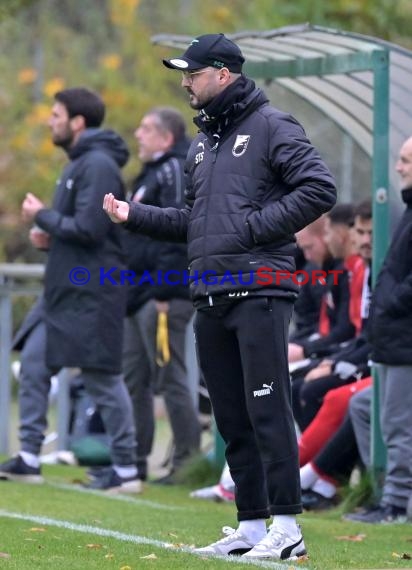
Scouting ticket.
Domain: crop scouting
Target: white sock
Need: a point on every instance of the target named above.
(30, 459)
(125, 471)
(308, 476)
(324, 488)
(286, 523)
(254, 529)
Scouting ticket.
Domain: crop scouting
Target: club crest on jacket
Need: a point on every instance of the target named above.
(240, 145)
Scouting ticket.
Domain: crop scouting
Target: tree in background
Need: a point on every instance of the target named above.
(55, 44)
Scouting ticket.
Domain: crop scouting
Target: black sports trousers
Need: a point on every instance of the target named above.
(242, 349)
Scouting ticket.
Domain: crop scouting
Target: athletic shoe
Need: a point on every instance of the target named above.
(98, 471)
(168, 479)
(234, 542)
(378, 515)
(16, 469)
(216, 493)
(278, 545)
(110, 482)
(313, 501)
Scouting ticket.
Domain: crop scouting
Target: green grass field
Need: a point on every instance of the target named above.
(60, 525)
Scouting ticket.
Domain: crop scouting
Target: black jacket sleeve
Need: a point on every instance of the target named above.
(89, 224)
(312, 187)
(160, 223)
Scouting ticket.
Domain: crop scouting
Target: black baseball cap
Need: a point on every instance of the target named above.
(214, 50)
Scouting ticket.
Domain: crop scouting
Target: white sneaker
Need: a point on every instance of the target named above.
(233, 543)
(278, 545)
(215, 493)
(205, 493)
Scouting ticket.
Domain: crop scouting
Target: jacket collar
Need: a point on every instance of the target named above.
(237, 101)
(407, 195)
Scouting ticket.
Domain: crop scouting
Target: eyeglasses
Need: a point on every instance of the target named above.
(189, 75)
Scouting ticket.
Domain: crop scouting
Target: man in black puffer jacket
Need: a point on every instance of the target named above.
(254, 180)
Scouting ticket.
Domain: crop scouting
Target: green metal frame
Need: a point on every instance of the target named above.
(380, 193)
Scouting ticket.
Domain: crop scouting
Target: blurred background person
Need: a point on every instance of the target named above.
(78, 322)
(162, 148)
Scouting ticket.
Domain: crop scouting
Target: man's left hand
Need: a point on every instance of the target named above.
(30, 207)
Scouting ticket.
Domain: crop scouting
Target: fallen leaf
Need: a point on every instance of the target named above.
(303, 559)
(94, 546)
(109, 556)
(149, 557)
(37, 529)
(125, 568)
(352, 537)
(173, 535)
(403, 556)
(5, 555)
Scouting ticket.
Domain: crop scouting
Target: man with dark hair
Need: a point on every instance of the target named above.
(341, 214)
(338, 223)
(81, 101)
(163, 146)
(254, 180)
(78, 322)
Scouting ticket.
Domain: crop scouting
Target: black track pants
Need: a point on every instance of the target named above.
(243, 355)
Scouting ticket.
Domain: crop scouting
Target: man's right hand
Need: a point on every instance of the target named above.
(117, 210)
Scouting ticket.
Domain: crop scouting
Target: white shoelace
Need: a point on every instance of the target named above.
(274, 538)
(230, 533)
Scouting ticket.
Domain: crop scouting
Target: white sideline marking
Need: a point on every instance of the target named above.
(124, 498)
(135, 539)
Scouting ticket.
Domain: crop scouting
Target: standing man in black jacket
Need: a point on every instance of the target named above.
(78, 322)
(163, 147)
(254, 180)
(390, 336)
